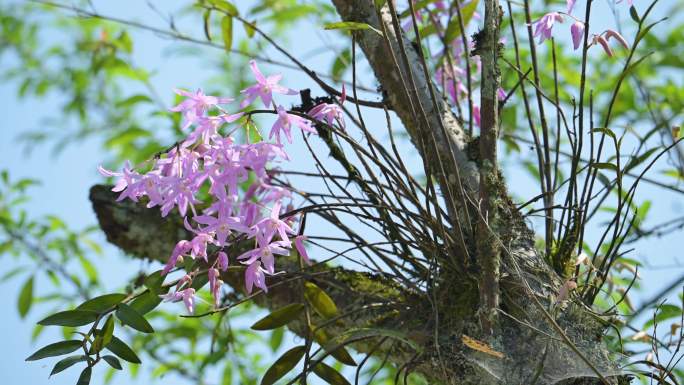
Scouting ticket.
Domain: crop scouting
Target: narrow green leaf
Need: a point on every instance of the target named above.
(634, 14)
(250, 29)
(146, 303)
(279, 317)
(25, 298)
(605, 131)
(102, 303)
(131, 101)
(122, 350)
(224, 6)
(454, 27)
(635, 161)
(84, 378)
(133, 319)
(154, 282)
(319, 300)
(113, 362)
(359, 334)
(329, 374)
(283, 365)
(66, 364)
(227, 32)
(340, 352)
(351, 26)
(604, 166)
(69, 318)
(665, 312)
(56, 349)
(276, 339)
(206, 18)
(108, 331)
(97, 344)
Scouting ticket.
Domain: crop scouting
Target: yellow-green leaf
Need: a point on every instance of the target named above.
(227, 32)
(329, 374)
(225, 6)
(108, 331)
(340, 353)
(351, 26)
(319, 300)
(25, 298)
(283, 365)
(279, 317)
(249, 28)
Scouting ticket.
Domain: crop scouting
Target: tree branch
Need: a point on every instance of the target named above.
(487, 46)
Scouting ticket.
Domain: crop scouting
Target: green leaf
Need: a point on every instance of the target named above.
(635, 161)
(224, 6)
(276, 339)
(66, 364)
(283, 365)
(319, 300)
(154, 282)
(359, 334)
(329, 374)
(341, 64)
(25, 298)
(340, 353)
(69, 318)
(605, 131)
(604, 166)
(102, 303)
(56, 349)
(454, 27)
(633, 14)
(206, 18)
(108, 331)
(279, 317)
(122, 350)
(113, 362)
(665, 312)
(351, 26)
(84, 378)
(133, 319)
(249, 28)
(146, 303)
(133, 100)
(227, 32)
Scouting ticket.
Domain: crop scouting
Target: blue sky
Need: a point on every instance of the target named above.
(66, 179)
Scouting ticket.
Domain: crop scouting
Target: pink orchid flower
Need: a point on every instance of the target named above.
(265, 87)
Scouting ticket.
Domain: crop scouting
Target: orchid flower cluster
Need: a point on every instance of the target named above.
(452, 74)
(244, 205)
(543, 28)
